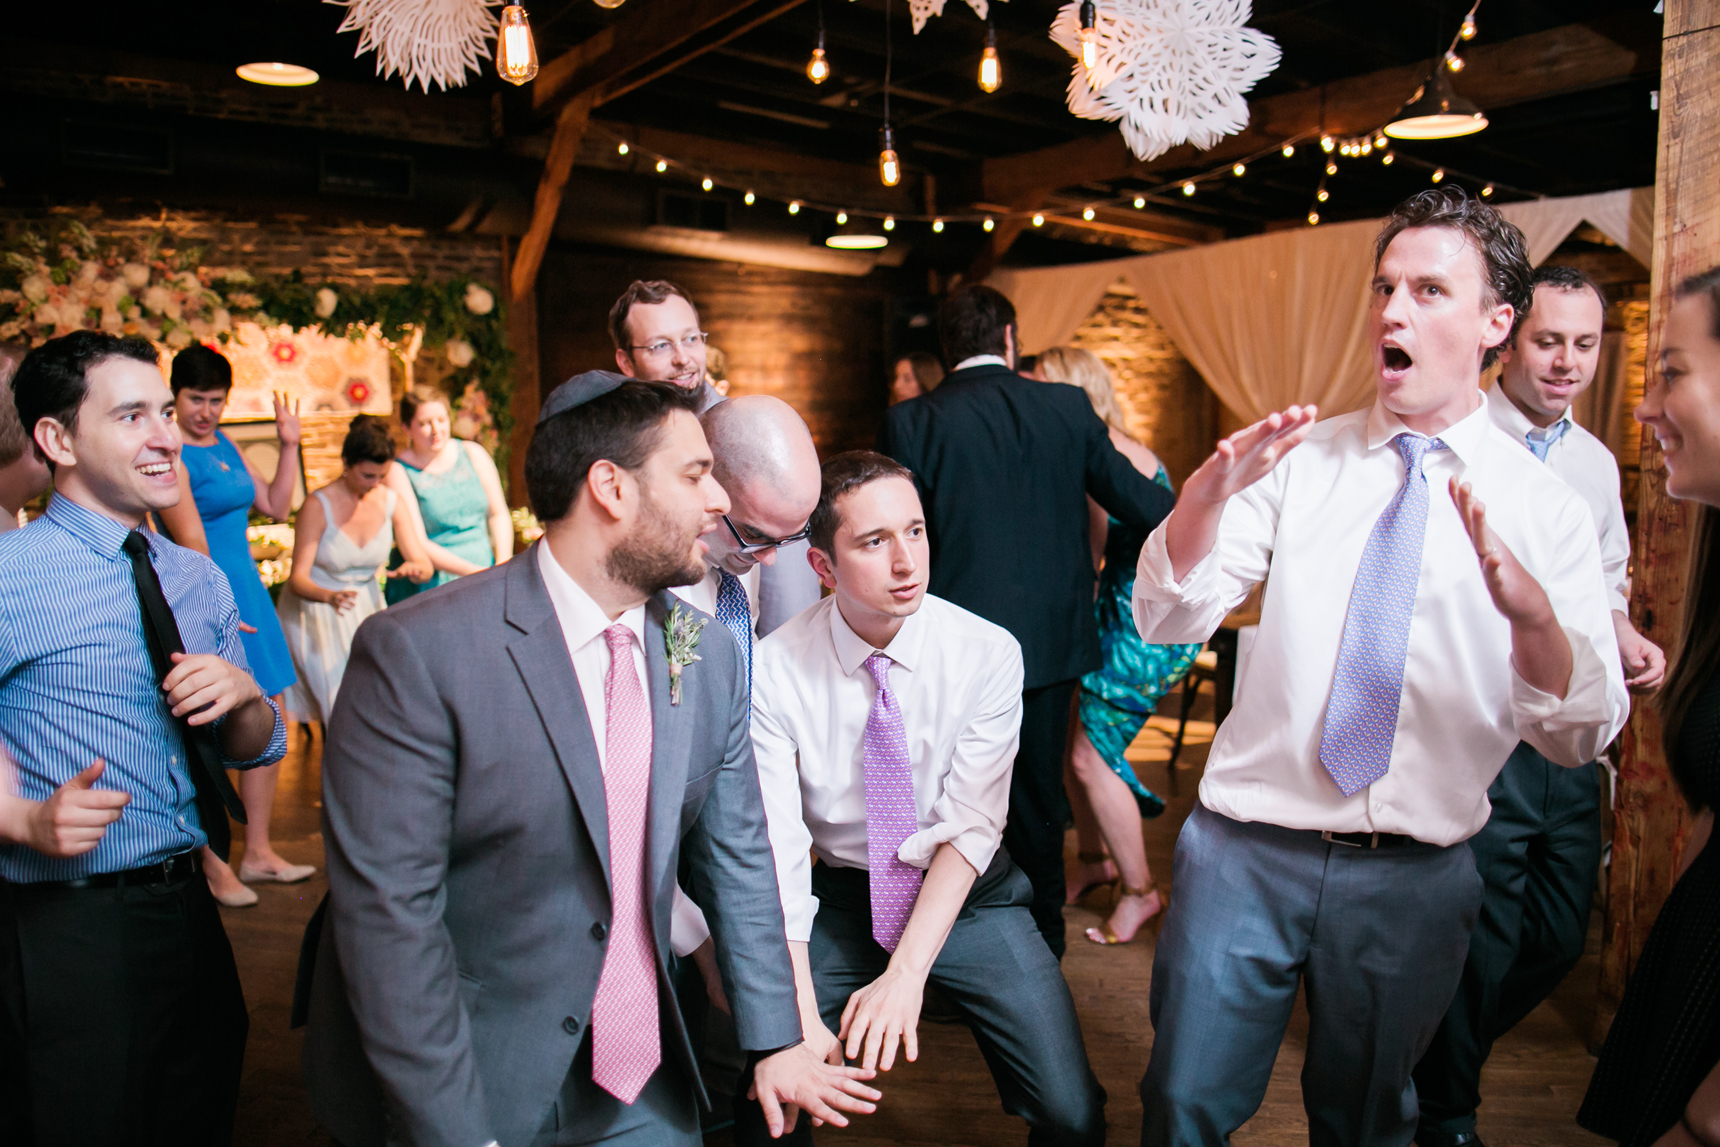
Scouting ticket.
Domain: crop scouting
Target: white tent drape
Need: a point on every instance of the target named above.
(1281, 318)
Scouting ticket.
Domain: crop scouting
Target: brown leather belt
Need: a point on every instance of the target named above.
(173, 870)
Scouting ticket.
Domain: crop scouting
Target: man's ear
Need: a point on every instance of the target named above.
(1499, 325)
(624, 362)
(823, 565)
(54, 443)
(611, 488)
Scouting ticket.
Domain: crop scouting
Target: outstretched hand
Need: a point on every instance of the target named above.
(1249, 455)
(1539, 648)
(287, 430)
(790, 1080)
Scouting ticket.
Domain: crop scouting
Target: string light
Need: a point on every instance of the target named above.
(1313, 218)
(1388, 158)
(794, 207)
(1380, 139)
(1188, 189)
(662, 166)
(705, 183)
(889, 223)
(1467, 32)
(1289, 150)
(1239, 170)
(623, 149)
(1089, 36)
(1331, 168)
(1454, 61)
(841, 218)
(1487, 192)
(938, 226)
(1327, 143)
(988, 224)
(516, 53)
(990, 69)
(1039, 220)
(1439, 175)
(1087, 214)
(749, 198)
(1322, 195)
(1139, 202)
(1367, 147)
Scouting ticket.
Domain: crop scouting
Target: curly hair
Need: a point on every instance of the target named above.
(1506, 275)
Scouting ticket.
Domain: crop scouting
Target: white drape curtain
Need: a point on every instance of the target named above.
(1280, 319)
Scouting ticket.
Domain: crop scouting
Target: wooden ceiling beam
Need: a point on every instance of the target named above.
(1539, 66)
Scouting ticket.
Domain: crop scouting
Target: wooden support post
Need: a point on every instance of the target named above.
(1650, 821)
(570, 127)
(527, 397)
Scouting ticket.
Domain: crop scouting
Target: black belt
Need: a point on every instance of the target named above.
(1368, 839)
(173, 870)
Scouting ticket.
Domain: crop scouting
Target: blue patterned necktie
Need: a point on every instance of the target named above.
(734, 611)
(1541, 441)
(1367, 687)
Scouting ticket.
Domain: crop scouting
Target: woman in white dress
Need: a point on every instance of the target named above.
(341, 540)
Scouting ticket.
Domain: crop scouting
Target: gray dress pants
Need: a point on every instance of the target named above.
(1376, 937)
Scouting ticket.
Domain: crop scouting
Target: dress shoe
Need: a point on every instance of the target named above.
(241, 897)
(1448, 1139)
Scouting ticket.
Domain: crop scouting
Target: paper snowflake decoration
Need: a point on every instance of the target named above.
(425, 41)
(1173, 71)
(923, 10)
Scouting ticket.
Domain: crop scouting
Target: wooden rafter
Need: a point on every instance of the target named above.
(570, 128)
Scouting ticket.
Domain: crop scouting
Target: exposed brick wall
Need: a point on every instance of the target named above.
(1167, 404)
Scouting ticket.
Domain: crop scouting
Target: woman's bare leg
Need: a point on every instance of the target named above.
(1119, 820)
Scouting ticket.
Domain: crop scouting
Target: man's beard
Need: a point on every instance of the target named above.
(656, 555)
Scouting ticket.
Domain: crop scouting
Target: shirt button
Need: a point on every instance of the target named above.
(598, 931)
(570, 1025)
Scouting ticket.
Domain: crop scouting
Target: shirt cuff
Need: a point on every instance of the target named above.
(687, 926)
(1572, 730)
(1617, 601)
(976, 842)
(276, 749)
(1154, 574)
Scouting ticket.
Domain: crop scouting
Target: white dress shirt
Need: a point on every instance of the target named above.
(1589, 468)
(583, 623)
(957, 679)
(1464, 706)
(981, 360)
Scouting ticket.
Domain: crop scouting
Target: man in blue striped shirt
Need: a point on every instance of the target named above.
(121, 1016)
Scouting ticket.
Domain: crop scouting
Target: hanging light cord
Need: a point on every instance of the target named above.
(887, 63)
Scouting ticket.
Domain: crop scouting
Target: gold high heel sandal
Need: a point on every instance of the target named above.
(1092, 858)
(1105, 936)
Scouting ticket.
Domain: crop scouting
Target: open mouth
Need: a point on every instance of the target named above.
(1396, 359)
(155, 469)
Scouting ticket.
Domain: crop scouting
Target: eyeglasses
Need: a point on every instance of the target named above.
(657, 348)
(747, 547)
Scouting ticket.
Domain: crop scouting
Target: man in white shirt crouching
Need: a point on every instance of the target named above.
(1435, 597)
(885, 724)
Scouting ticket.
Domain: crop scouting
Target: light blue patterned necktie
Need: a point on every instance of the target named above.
(1367, 687)
(734, 611)
(1541, 441)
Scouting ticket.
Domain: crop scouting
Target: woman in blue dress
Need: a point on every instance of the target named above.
(218, 489)
(1107, 798)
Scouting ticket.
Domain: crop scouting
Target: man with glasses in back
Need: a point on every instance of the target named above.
(655, 328)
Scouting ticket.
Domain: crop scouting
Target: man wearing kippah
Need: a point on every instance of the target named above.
(1434, 598)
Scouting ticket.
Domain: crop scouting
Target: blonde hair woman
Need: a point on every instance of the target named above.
(1107, 798)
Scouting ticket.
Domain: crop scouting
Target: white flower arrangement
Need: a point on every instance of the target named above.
(327, 301)
(478, 300)
(460, 353)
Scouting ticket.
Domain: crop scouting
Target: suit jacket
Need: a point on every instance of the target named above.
(1004, 465)
(468, 855)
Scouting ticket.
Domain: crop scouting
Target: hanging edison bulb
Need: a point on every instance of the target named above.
(516, 54)
(990, 69)
(818, 68)
(889, 166)
(1089, 35)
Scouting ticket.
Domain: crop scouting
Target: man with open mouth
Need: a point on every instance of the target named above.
(1434, 599)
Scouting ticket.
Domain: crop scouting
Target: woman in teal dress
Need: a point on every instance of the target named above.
(1107, 798)
(454, 493)
(218, 489)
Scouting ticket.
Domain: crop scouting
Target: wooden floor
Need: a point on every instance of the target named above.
(1532, 1086)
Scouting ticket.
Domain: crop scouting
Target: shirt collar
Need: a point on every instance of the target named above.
(982, 360)
(1465, 436)
(1511, 420)
(582, 619)
(852, 650)
(96, 530)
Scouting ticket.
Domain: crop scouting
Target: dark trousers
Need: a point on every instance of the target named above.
(1538, 857)
(997, 972)
(121, 1016)
(1038, 806)
(1376, 938)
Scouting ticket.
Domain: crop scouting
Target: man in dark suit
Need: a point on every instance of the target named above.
(516, 768)
(1004, 465)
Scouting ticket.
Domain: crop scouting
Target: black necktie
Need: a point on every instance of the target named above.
(215, 795)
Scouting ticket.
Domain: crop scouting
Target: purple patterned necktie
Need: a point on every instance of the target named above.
(1367, 687)
(891, 816)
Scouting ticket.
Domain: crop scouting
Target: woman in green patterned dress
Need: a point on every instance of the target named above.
(1114, 702)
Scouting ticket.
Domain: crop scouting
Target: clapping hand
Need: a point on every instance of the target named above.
(287, 428)
(790, 1080)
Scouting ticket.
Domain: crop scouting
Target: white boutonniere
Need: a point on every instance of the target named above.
(680, 638)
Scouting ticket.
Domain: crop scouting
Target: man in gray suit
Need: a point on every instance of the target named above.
(517, 766)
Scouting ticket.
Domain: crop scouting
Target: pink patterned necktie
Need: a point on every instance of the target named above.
(891, 816)
(625, 1043)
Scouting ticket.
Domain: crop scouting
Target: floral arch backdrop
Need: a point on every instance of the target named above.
(67, 278)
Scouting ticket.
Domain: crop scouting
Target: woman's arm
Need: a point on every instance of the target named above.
(182, 521)
(276, 498)
(501, 521)
(442, 559)
(307, 535)
(417, 567)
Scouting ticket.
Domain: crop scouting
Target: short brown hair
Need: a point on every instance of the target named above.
(13, 438)
(1562, 278)
(624, 426)
(972, 321)
(842, 475)
(646, 292)
(421, 396)
(1506, 276)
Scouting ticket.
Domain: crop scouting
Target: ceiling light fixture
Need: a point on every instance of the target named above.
(1436, 112)
(818, 68)
(841, 218)
(794, 207)
(1487, 192)
(990, 68)
(889, 165)
(1331, 168)
(1327, 143)
(1089, 36)
(277, 75)
(1313, 218)
(1453, 61)
(516, 52)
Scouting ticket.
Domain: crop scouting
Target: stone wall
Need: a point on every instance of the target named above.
(1167, 404)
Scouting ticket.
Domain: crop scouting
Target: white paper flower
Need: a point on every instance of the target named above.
(426, 41)
(156, 299)
(478, 300)
(460, 352)
(1173, 71)
(922, 10)
(327, 301)
(35, 287)
(136, 275)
